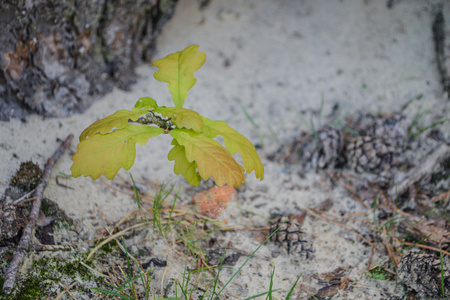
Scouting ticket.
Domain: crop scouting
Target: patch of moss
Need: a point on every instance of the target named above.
(45, 274)
(379, 273)
(443, 173)
(28, 176)
(108, 247)
(50, 208)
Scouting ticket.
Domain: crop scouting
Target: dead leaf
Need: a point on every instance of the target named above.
(436, 231)
(213, 202)
(333, 277)
(43, 220)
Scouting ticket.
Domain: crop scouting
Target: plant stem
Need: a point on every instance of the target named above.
(150, 118)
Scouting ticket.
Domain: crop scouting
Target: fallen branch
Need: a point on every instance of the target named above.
(404, 180)
(11, 273)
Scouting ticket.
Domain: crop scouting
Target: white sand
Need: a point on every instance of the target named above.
(278, 59)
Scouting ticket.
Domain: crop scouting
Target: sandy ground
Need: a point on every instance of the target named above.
(278, 60)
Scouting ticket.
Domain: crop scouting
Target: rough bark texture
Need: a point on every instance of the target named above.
(57, 56)
(442, 48)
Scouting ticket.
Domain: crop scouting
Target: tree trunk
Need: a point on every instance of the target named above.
(56, 56)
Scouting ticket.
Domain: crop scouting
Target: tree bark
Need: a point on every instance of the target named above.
(56, 57)
(442, 49)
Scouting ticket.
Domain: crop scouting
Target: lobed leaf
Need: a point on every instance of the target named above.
(118, 120)
(146, 102)
(212, 159)
(182, 165)
(235, 142)
(182, 117)
(107, 153)
(177, 70)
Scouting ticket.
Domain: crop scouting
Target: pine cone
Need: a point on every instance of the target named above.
(289, 236)
(365, 153)
(323, 149)
(423, 272)
(393, 129)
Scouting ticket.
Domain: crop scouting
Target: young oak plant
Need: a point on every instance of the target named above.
(109, 144)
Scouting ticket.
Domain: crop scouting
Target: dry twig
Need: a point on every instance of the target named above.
(374, 248)
(162, 281)
(445, 195)
(11, 273)
(322, 217)
(24, 198)
(425, 247)
(388, 247)
(404, 180)
(109, 238)
(351, 189)
(66, 290)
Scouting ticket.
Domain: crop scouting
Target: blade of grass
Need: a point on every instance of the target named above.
(145, 280)
(120, 287)
(381, 261)
(442, 275)
(186, 281)
(218, 273)
(246, 113)
(423, 129)
(391, 221)
(260, 295)
(112, 293)
(159, 199)
(247, 260)
(271, 283)
(172, 208)
(273, 133)
(313, 129)
(302, 118)
(405, 106)
(322, 100)
(407, 248)
(129, 268)
(136, 193)
(418, 115)
(184, 294)
(375, 219)
(292, 288)
(64, 174)
(315, 298)
(147, 283)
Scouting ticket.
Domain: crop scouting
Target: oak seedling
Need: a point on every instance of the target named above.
(110, 143)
